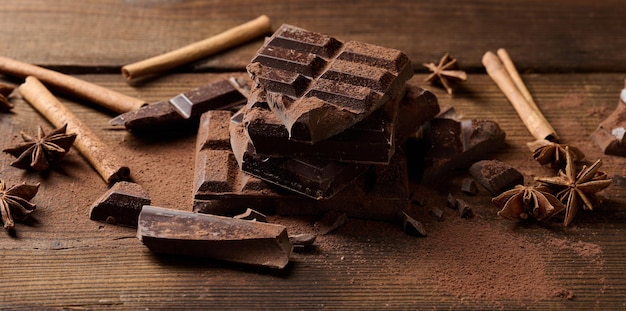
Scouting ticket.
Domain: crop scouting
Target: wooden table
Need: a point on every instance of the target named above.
(571, 54)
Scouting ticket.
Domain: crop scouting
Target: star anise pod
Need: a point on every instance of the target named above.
(577, 189)
(446, 73)
(5, 104)
(523, 201)
(547, 152)
(38, 152)
(14, 202)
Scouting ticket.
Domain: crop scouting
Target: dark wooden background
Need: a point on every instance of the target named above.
(64, 260)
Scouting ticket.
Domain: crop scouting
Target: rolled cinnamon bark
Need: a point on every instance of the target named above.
(114, 101)
(192, 52)
(533, 119)
(97, 153)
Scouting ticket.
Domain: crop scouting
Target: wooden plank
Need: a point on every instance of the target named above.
(542, 36)
(64, 260)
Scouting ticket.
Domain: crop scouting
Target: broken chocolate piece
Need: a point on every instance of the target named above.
(222, 188)
(318, 179)
(318, 86)
(436, 212)
(417, 107)
(610, 135)
(182, 109)
(465, 210)
(222, 238)
(411, 226)
(251, 215)
(451, 201)
(120, 205)
(330, 222)
(496, 176)
(458, 144)
(468, 186)
(303, 239)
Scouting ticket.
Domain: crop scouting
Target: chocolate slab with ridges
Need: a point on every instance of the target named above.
(379, 194)
(318, 86)
(183, 109)
(216, 237)
(120, 205)
(318, 179)
(369, 141)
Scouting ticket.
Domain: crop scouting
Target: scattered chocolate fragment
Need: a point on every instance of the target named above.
(465, 210)
(330, 222)
(216, 237)
(303, 239)
(458, 144)
(411, 226)
(496, 176)
(451, 201)
(120, 205)
(436, 212)
(610, 134)
(182, 109)
(318, 179)
(39, 152)
(252, 215)
(417, 107)
(319, 86)
(468, 186)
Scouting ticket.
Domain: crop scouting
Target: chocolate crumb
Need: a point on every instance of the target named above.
(451, 201)
(411, 226)
(251, 215)
(468, 186)
(437, 213)
(465, 210)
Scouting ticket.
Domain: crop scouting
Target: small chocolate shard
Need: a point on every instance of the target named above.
(496, 176)
(183, 109)
(120, 205)
(465, 210)
(468, 186)
(330, 222)
(221, 238)
(451, 201)
(436, 212)
(411, 226)
(303, 239)
(458, 144)
(610, 135)
(251, 215)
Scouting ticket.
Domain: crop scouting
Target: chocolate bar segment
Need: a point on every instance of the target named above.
(242, 241)
(318, 179)
(318, 86)
(380, 193)
(120, 205)
(182, 109)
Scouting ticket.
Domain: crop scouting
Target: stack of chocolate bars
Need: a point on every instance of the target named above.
(321, 130)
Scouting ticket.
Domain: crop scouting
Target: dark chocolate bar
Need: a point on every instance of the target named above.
(610, 135)
(222, 188)
(186, 233)
(417, 107)
(319, 86)
(318, 179)
(183, 108)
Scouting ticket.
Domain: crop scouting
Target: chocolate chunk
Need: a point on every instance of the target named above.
(468, 186)
(303, 239)
(183, 109)
(369, 141)
(120, 205)
(330, 222)
(451, 201)
(458, 144)
(222, 238)
(222, 188)
(436, 212)
(318, 179)
(417, 107)
(318, 86)
(411, 226)
(496, 176)
(610, 135)
(252, 215)
(465, 210)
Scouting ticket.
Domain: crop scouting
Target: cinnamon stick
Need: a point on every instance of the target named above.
(192, 52)
(532, 117)
(517, 79)
(97, 153)
(96, 94)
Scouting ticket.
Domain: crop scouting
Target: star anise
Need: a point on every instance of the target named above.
(5, 104)
(523, 201)
(14, 202)
(38, 152)
(547, 152)
(446, 73)
(577, 189)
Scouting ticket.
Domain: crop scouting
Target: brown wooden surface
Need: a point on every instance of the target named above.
(61, 259)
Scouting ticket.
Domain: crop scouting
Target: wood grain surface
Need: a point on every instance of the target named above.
(571, 54)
